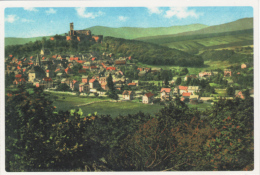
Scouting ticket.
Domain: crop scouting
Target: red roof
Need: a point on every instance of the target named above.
(82, 71)
(47, 70)
(93, 58)
(92, 80)
(93, 67)
(111, 68)
(54, 56)
(19, 80)
(52, 38)
(131, 84)
(11, 56)
(31, 57)
(47, 79)
(71, 58)
(24, 70)
(19, 62)
(186, 94)
(18, 76)
(166, 90)
(183, 88)
(74, 81)
(43, 58)
(18, 67)
(149, 94)
(80, 61)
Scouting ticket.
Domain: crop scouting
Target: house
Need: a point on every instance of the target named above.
(142, 73)
(227, 72)
(132, 84)
(148, 98)
(127, 95)
(19, 81)
(244, 65)
(239, 94)
(84, 79)
(93, 84)
(194, 99)
(120, 62)
(49, 73)
(166, 93)
(74, 85)
(83, 87)
(193, 89)
(47, 82)
(182, 89)
(205, 74)
(186, 96)
(189, 76)
(104, 86)
(136, 82)
(102, 80)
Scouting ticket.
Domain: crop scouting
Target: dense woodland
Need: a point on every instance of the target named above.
(151, 53)
(39, 138)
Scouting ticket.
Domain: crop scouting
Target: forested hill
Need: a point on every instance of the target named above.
(152, 54)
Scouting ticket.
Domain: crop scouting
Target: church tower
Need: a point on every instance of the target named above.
(37, 61)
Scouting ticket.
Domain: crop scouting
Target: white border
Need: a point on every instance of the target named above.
(138, 3)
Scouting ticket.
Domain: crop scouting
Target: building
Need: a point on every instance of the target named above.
(193, 89)
(166, 93)
(148, 98)
(244, 65)
(127, 95)
(227, 72)
(182, 89)
(93, 84)
(83, 87)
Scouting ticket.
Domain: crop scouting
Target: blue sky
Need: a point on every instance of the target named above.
(32, 22)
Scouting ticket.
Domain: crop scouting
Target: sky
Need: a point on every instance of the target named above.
(31, 21)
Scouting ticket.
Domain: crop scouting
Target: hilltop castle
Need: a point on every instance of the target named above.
(81, 35)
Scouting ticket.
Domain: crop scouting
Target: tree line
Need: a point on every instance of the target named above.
(178, 138)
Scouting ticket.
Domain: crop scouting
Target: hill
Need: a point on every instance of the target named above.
(122, 32)
(134, 32)
(237, 33)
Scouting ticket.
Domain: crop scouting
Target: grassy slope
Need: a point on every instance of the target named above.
(122, 32)
(214, 42)
(134, 32)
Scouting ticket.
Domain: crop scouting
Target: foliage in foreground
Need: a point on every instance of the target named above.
(176, 139)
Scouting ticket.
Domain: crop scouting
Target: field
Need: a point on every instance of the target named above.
(212, 43)
(112, 108)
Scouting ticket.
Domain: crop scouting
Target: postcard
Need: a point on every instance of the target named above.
(130, 87)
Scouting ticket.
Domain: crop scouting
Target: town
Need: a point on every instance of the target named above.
(88, 75)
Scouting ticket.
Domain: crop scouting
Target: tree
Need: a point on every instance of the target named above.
(63, 87)
(110, 83)
(178, 81)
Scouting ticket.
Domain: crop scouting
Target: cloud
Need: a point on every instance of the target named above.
(51, 11)
(181, 12)
(11, 18)
(155, 10)
(30, 9)
(122, 18)
(26, 20)
(81, 11)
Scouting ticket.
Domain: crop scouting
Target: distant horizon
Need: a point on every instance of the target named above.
(31, 22)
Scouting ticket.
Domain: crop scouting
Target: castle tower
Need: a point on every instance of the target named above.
(71, 29)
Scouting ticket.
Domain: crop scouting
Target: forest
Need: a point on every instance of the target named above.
(178, 138)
